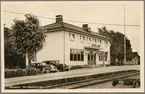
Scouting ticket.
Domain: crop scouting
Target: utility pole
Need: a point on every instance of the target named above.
(124, 38)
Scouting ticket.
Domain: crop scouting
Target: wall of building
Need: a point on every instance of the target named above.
(77, 43)
(53, 48)
(56, 49)
(106, 48)
(134, 61)
(73, 44)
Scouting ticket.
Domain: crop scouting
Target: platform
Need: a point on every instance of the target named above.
(67, 74)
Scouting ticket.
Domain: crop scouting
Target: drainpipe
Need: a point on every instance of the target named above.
(64, 47)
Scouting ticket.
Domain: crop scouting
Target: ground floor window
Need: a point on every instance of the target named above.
(106, 55)
(76, 55)
(103, 56)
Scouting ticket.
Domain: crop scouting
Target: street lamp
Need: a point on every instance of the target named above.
(124, 38)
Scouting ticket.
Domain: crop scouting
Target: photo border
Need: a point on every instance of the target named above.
(74, 91)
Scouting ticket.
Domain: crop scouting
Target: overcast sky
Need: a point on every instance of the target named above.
(98, 12)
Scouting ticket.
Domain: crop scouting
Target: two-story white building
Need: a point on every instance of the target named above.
(74, 45)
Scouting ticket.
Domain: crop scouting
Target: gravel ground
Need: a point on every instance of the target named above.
(109, 84)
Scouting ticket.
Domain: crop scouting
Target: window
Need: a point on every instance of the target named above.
(91, 56)
(105, 42)
(90, 39)
(82, 55)
(76, 55)
(71, 54)
(82, 38)
(95, 40)
(88, 57)
(106, 55)
(101, 57)
(71, 36)
(100, 41)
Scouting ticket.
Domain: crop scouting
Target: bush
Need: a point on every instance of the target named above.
(32, 71)
(78, 67)
(20, 72)
(14, 73)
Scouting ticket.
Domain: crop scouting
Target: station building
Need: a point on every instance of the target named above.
(74, 45)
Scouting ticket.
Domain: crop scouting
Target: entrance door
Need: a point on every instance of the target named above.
(91, 59)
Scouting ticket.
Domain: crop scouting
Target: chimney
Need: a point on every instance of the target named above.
(59, 18)
(86, 28)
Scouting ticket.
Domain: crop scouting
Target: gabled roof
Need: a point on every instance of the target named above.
(62, 24)
(70, 26)
(135, 54)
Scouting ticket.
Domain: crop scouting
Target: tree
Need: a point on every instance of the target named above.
(27, 35)
(117, 45)
(8, 41)
(12, 59)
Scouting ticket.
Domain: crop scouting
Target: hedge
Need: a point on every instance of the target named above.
(20, 72)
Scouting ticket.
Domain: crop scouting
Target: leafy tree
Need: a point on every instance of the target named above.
(12, 59)
(117, 45)
(7, 41)
(27, 36)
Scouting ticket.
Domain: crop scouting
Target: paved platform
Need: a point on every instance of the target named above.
(67, 74)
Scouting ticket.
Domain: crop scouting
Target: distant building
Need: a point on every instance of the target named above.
(74, 45)
(134, 59)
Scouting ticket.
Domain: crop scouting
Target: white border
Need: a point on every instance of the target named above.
(79, 90)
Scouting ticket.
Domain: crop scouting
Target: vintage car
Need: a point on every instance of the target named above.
(127, 81)
(44, 68)
(56, 63)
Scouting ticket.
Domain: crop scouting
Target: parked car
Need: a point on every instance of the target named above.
(126, 81)
(56, 63)
(43, 67)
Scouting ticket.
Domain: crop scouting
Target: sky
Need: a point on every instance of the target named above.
(95, 11)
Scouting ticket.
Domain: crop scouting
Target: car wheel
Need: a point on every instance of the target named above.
(43, 69)
(47, 71)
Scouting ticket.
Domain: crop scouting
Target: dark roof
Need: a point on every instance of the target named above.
(135, 54)
(70, 26)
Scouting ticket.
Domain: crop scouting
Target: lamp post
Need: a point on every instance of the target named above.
(124, 38)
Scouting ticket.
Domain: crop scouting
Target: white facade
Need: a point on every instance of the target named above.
(77, 43)
(53, 48)
(72, 47)
(58, 44)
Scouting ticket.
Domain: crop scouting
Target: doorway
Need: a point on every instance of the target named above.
(91, 59)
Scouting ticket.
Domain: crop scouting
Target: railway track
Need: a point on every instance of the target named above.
(76, 82)
(88, 82)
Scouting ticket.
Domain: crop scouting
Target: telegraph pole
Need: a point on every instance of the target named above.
(124, 38)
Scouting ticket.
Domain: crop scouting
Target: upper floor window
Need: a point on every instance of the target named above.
(71, 36)
(90, 39)
(99, 41)
(82, 38)
(105, 42)
(95, 40)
